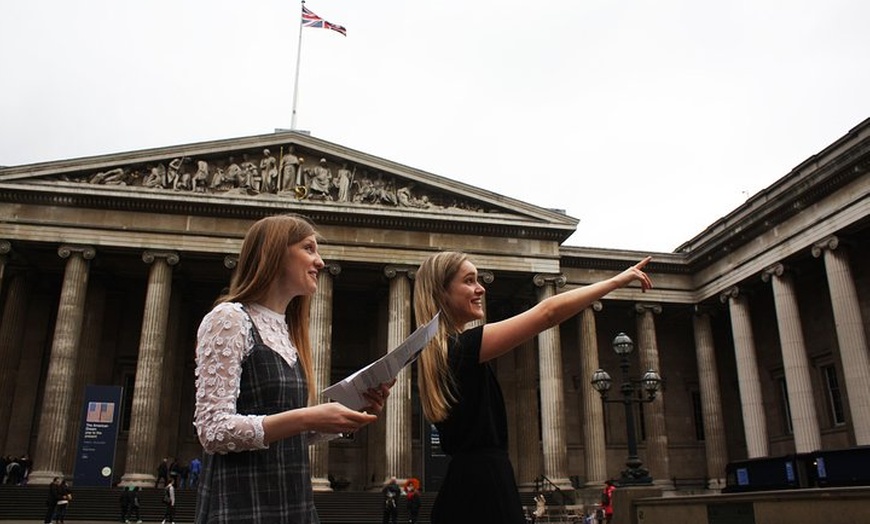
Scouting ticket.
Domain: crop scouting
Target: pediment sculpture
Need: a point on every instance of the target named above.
(289, 174)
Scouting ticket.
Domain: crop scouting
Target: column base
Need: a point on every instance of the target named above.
(666, 487)
(43, 478)
(143, 480)
(320, 484)
(716, 485)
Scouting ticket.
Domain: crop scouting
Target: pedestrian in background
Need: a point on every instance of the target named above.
(169, 503)
(63, 500)
(51, 501)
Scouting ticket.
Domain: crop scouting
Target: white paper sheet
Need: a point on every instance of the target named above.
(350, 390)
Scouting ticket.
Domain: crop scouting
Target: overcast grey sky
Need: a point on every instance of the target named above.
(648, 121)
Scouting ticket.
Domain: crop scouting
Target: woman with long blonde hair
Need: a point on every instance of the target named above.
(255, 412)
(459, 391)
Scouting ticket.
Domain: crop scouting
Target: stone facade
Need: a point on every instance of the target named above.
(107, 264)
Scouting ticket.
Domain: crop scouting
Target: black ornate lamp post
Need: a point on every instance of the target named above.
(635, 473)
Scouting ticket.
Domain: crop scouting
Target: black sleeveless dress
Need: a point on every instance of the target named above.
(479, 485)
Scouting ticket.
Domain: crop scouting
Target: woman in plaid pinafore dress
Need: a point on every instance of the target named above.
(253, 415)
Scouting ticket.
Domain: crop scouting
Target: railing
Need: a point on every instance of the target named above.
(560, 509)
(542, 481)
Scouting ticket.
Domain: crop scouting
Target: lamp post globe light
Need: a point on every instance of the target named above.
(649, 383)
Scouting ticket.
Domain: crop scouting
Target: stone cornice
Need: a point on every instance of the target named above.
(807, 184)
(322, 214)
(618, 259)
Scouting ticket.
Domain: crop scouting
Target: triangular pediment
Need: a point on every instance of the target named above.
(284, 170)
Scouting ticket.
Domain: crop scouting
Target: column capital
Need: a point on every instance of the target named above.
(5, 247)
(66, 250)
(557, 279)
(774, 270)
(231, 261)
(731, 292)
(830, 243)
(597, 306)
(392, 270)
(333, 268)
(150, 256)
(487, 277)
(643, 307)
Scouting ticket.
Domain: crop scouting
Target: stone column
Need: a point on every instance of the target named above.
(528, 442)
(751, 401)
(145, 415)
(711, 400)
(594, 448)
(11, 336)
(555, 444)
(851, 336)
(398, 408)
(89, 345)
(51, 445)
(5, 248)
(657, 455)
(320, 327)
(805, 422)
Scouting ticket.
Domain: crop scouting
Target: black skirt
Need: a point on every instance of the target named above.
(479, 487)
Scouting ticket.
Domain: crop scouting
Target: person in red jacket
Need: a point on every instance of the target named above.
(607, 499)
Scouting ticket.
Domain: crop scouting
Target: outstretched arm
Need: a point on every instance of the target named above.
(500, 337)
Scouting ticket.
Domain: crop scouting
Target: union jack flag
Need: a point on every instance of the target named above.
(309, 19)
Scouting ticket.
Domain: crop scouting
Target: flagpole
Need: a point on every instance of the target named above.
(296, 81)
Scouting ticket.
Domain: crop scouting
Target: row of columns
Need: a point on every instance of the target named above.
(550, 457)
(852, 342)
(55, 428)
(807, 434)
(72, 358)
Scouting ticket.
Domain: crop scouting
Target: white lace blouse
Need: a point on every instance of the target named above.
(223, 341)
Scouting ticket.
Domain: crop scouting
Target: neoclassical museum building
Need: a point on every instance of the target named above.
(758, 326)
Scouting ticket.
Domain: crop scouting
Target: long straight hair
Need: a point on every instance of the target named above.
(260, 261)
(434, 379)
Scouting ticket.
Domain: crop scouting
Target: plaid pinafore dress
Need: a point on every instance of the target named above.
(261, 486)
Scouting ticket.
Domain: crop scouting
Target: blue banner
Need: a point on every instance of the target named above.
(101, 418)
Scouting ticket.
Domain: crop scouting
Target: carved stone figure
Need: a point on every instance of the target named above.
(112, 176)
(320, 182)
(365, 190)
(218, 180)
(343, 180)
(173, 174)
(235, 175)
(157, 177)
(290, 170)
(383, 193)
(200, 178)
(406, 198)
(252, 175)
(269, 173)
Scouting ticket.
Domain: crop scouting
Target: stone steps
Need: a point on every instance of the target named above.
(103, 504)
